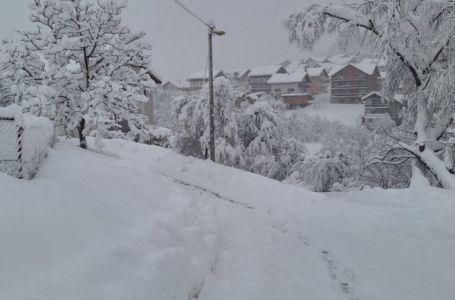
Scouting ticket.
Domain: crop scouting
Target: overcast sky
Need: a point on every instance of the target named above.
(255, 34)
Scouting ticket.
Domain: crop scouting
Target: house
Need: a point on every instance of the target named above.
(320, 81)
(177, 85)
(248, 98)
(258, 77)
(238, 77)
(296, 100)
(340, 59)
(376, 107)
(315, 62)
(284, 83)
(198, 78)
(351, 82)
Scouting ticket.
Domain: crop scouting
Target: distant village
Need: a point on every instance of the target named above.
(345, 79)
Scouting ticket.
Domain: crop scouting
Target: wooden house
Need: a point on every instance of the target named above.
(376, 107)
(350, 83)
(296, 100)
(258, 77)
(320, 81)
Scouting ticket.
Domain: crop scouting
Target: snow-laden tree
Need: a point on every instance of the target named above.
(228, 147)
(324, 171)
(267, 151)
(250, 138)
(82, 67)
(416, 40)
(191, 124)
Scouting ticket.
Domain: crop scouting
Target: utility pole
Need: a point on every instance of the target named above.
(211, 100)
(212, 31)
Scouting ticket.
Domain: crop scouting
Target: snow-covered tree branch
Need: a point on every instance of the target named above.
(415, 39)
(82, 68)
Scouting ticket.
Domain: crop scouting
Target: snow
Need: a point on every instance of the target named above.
(21, 155)
(347, 14)
(10, 112)
(315, 72)
(378, 94)
(348, 114)
(364, 66)
(146, 223)
(313, 148)
(179, 84)
(38, 138)
(264, 70)
(202, 75)
(295, 77)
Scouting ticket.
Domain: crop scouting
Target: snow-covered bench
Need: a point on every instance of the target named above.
(24, 141)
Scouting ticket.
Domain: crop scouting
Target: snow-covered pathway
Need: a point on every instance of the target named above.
(377, 244)
(145, 223)
(258, 258)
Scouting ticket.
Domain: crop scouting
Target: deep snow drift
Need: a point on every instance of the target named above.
(145, 223)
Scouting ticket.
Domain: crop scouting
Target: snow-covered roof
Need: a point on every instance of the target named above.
(372, 94)
(295, 77)
(340, 59)
(365, 67)
(201, 75)
(294, 65)
(265, 70)
(244, 73)
(180, 84)
(315, 72)
(318, 59)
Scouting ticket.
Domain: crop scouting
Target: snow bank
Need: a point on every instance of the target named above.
(25, 141)
(94, 227)
(147, 223)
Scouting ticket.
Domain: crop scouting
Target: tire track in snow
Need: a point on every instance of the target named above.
(205, 190)
(344, 278)
(195, 292)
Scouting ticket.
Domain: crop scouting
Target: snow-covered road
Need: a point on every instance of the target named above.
(145, 223)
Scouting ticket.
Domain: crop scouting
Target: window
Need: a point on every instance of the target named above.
(291, 90)
(278, 91)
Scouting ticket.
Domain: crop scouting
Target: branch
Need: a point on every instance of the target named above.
(350, 16)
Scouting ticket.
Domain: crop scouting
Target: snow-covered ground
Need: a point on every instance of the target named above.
(146, 223)
(348, 114)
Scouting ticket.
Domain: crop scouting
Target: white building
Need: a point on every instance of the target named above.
(283, 83)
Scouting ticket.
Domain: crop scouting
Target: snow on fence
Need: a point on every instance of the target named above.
(24, 142)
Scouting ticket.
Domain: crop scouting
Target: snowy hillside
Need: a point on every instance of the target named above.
(145, 223)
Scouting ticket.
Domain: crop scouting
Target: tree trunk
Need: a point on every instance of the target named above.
(80, 129)
(437, 166)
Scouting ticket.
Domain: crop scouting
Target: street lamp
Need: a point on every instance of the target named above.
(212, 31)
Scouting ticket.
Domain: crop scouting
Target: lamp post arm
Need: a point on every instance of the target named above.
(211, 27)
